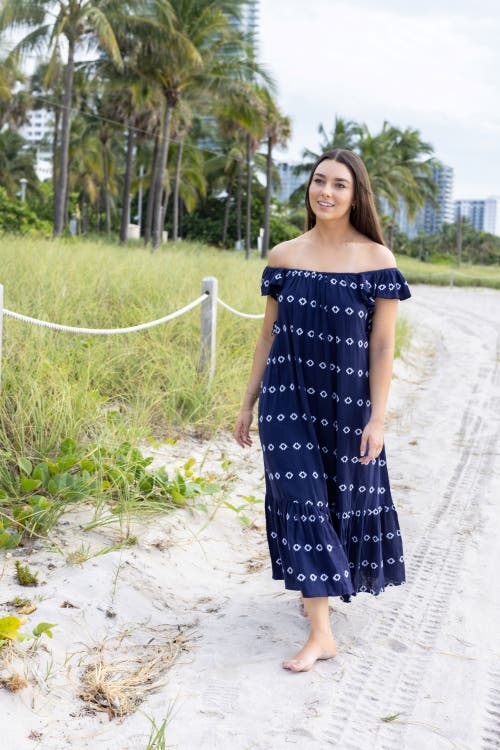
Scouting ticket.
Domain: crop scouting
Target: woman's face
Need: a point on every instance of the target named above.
(331, 192)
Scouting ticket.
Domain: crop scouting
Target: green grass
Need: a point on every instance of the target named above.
(441, 273)
(110, 388)
(113, 388)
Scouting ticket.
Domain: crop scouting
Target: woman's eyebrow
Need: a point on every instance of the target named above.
(337, 179)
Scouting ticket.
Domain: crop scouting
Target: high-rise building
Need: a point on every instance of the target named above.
(492, 215)
(434, 216)
(251, 18)
(431, 217)
(249, 22)
(38, 132)
(289, 180)
(483, 215)
(472, 211)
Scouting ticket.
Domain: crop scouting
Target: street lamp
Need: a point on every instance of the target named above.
(22, 193)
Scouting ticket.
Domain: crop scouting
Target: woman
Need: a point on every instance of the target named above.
(322, 368)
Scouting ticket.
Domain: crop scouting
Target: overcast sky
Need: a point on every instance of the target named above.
(433, 65)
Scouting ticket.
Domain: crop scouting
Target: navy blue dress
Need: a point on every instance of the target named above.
(331, 523)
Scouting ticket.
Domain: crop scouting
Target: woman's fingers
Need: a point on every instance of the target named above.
(242, 432)
(371, 445)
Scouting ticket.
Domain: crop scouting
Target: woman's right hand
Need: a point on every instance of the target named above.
(242, 429)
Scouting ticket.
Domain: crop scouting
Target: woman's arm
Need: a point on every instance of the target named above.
(261, 354)
(381, 356)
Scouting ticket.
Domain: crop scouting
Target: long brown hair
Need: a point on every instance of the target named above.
(364, 215)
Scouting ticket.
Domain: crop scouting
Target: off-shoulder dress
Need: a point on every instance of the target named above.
(332, 526)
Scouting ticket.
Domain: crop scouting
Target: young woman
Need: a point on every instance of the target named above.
(322, 370)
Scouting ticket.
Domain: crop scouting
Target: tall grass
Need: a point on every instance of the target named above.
(123, 387)
(57, 384)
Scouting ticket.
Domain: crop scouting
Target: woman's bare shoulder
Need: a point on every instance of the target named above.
(378, 256)
(283, 254)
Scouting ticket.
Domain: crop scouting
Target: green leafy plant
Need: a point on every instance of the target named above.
(250, 500)
(120, 484)
(9, 630)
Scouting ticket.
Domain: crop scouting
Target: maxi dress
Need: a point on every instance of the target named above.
(332, 527)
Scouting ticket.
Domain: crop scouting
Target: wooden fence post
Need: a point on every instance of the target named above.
(208, 326)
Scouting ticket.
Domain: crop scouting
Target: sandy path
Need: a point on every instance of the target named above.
(426, 654)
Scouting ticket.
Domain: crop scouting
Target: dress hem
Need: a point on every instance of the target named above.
(344, 595)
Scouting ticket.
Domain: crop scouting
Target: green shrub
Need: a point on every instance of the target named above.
(17, 218)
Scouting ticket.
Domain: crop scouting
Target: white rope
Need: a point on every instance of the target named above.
(237, 312)
(106, 331)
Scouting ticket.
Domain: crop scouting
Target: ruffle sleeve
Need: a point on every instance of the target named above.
(388, 283)
(272, 281)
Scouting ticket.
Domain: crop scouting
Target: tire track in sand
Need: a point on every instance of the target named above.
(434, 563)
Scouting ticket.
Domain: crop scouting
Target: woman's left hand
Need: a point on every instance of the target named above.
(372, 442)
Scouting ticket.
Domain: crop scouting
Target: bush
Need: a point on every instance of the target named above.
(206, 222)
(17, 218)
(282, 230)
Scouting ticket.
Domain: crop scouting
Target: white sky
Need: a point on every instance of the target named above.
(433, 65)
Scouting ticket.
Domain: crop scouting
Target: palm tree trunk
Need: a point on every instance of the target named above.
(85, 217)
(249, 196)
(62, 182)
(160, 176)
(267, 201)
(227, 208)
(238, 204)
(55, 138)
(164, 207)
(148, 226)
(177, 182)
(105, 176)
(125, 218)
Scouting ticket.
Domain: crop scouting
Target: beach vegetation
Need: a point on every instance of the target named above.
(25, 576)
(10, 630)
(120, 485)
(74, 408)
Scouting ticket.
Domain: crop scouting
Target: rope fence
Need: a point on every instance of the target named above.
(208, 300)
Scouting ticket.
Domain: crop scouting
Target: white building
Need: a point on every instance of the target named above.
(430, 218)
(472, 211)
(251, 18)
(38, 132)
(492, 215)
(289, 180)
(483, 215)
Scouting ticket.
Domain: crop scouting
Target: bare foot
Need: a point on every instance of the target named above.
(317, 647)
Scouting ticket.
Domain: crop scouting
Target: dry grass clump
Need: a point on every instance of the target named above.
(118, 674)
(11, 667)
(13, 682)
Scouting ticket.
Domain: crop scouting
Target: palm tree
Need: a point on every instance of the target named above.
(16, 162)
(48, 22)
(14, 105)
(201, 51)
(86, 168)
(181, 126)
(278, 131)
(344, 134)
(47, 90)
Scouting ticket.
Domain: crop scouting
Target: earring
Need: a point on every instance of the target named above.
(353, 206)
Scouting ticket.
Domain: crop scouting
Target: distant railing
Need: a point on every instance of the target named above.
(208, 300)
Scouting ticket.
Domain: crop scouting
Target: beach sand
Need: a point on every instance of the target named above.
(193, 601)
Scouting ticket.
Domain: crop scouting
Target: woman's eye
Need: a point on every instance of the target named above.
(318, 180)
(340, 185)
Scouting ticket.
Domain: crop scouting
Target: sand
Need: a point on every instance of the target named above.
(417, 667)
